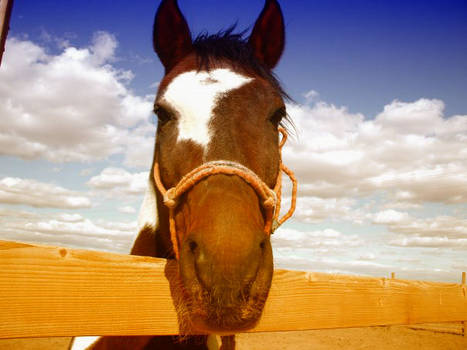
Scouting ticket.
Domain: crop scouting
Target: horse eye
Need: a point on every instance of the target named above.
(277, 116)
(162, 114)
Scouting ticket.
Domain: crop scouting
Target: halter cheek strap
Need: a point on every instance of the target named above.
(270, 198)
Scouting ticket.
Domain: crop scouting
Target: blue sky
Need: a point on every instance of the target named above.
(362, 54)
(381, 115)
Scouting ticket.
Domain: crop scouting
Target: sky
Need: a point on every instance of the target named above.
(379, 105)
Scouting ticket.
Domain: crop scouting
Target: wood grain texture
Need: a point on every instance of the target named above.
(464, 324)
(50, 291)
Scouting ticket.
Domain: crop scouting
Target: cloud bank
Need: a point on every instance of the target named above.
(73, 106)
(41, 195)
(411, 151)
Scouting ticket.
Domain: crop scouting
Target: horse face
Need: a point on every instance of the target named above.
(226, 112)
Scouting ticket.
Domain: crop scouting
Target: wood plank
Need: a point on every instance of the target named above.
(464, 324)
(52, 291)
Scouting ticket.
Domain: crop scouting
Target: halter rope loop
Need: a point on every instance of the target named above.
(270, 198)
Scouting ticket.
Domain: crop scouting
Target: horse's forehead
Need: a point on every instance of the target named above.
(194, 96)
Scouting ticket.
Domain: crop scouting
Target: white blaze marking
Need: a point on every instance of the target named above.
(194, 96)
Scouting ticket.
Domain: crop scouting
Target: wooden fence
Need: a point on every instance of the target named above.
(5, 14)
(50, 291)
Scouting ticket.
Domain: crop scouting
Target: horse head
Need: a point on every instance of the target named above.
(218, 103)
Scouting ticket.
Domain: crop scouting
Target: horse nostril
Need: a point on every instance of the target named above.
(262, 245)
(193, 245)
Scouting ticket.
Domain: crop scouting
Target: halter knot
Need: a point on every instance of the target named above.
(271, 202)
(170, 198)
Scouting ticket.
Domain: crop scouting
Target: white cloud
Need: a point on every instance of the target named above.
(439, 231)
(421, 117)
(66, 217)
(70, 230)
(127, 209)
(118, 181)
(38, 194)
(430, 242)
(390, 216)
(61, 42)
(333, 265)
(103, 47)
(140, 152)
(370, 268)
(367, 257)
(17, 214)
(300, 239)
(316, 209)
(311, 96)
(441, 226)
(74, 106)
(408, 155)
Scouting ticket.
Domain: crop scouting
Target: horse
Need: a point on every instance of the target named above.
(214, 185)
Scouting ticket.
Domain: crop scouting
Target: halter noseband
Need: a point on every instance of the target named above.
(270, 198)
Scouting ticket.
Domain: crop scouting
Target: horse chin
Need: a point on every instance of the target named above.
(201, 312)
(210, 317)
(225, 307)
(219, 327)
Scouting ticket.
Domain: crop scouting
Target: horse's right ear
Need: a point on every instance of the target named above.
(268, 36)
(171, 34)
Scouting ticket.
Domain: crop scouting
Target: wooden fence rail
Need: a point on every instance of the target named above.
(5, 14)
(50, 291)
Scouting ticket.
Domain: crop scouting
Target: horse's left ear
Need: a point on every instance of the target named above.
(171, 34)
(268, 36)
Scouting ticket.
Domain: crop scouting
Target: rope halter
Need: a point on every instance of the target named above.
(270, 199)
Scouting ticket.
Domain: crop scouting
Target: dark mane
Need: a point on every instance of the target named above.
(234, 48)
